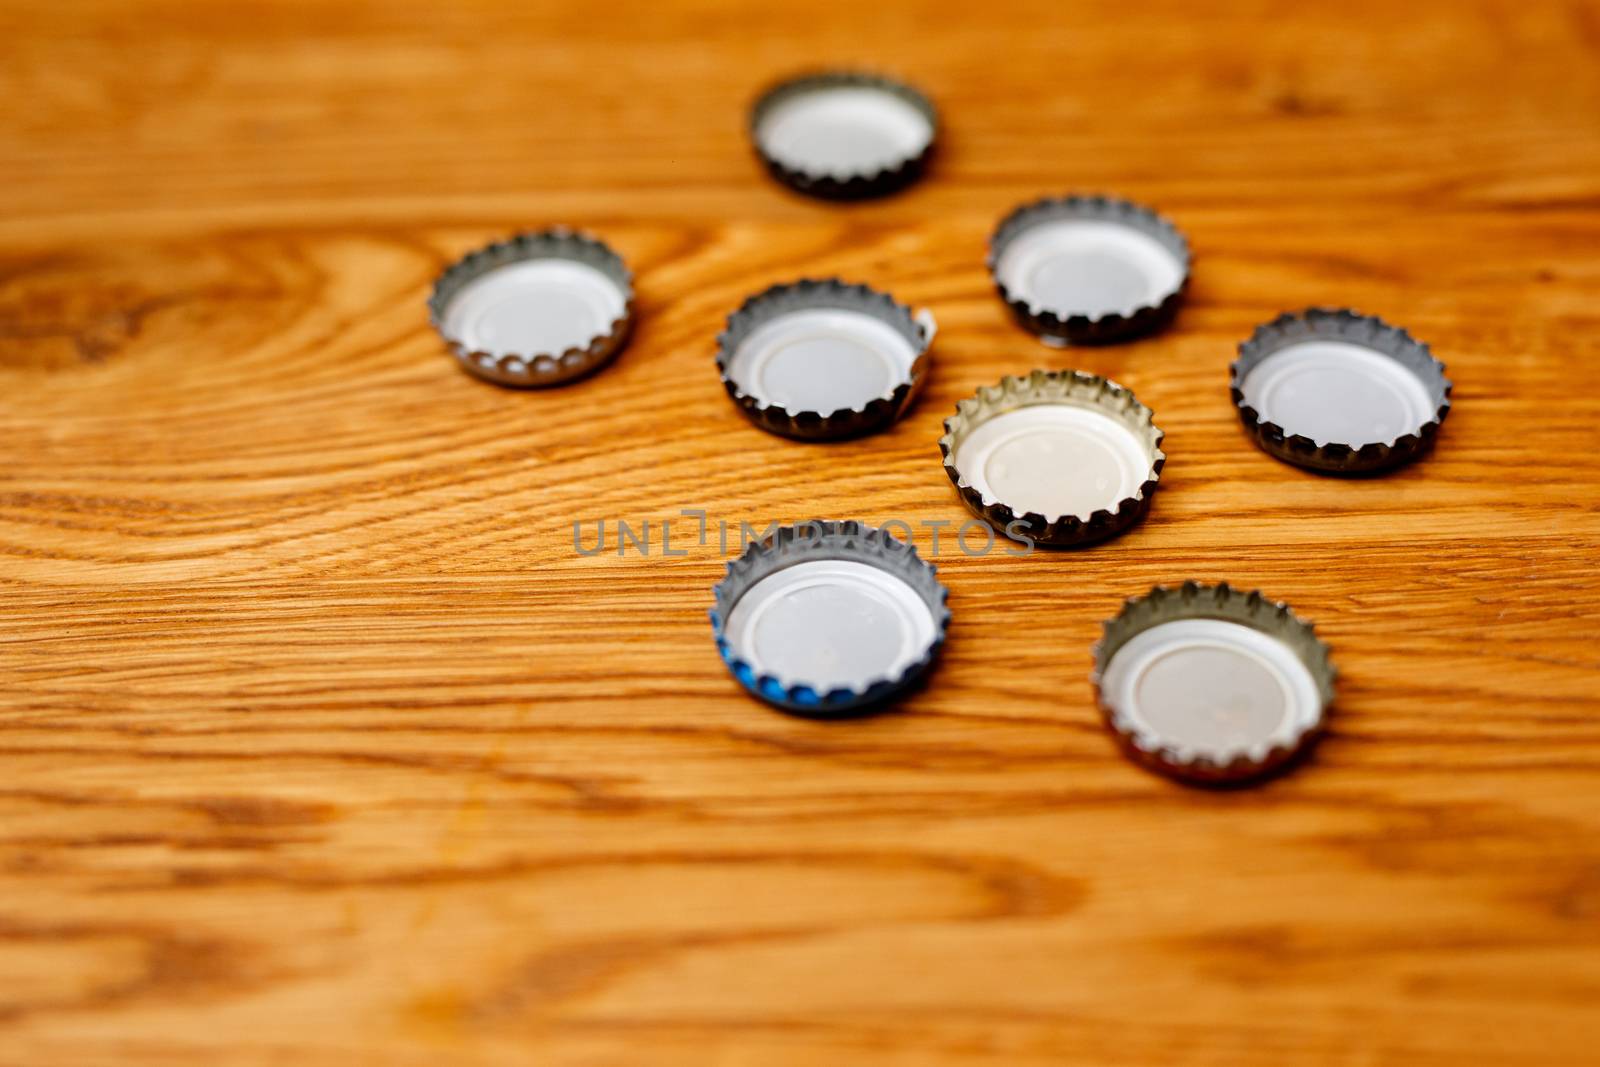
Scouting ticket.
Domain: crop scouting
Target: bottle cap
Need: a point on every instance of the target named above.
(820, 360)
(1089, 269)
(538, 309)
(829, 618)
(1210, 685)
(844, 135)
(1072, 457)
(1333, 390)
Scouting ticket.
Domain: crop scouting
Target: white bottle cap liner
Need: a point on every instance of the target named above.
(875, 624)
(1210, 685)
(829, 618)
(539, 309)
(844, 135)
(1071, 456)
(1021, 457)
(823, 359)
(1336, 391)
(1089, 270)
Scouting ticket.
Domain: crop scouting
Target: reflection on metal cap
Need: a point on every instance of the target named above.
(1210, 685)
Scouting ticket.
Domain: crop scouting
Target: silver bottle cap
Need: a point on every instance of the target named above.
(1210, 685)
(1336, 391)
(829, 618)
(1089, 269)
(844, 135)
(820, 360)
(1071, 457)
(538, 309)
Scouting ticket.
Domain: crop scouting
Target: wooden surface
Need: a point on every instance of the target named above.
(321, 745)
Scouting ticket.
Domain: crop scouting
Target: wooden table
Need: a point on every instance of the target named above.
(322, 746)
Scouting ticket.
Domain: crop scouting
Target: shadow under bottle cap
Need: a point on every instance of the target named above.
(539, 309)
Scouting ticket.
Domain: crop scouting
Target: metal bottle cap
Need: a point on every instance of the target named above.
(1210, 685)
(820, 360)
(1089, 269)
(1073, 456)
(538, 309)
(1333, 390)
(829, 617)
(844, 135)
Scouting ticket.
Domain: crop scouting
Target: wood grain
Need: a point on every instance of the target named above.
(321, 745)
